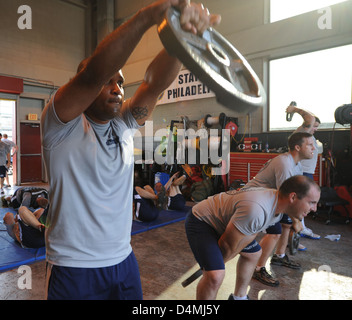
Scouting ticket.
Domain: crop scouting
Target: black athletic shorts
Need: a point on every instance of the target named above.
(31, 237)
(3, 171)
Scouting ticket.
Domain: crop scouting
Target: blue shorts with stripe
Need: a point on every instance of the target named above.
(203, 241)
(276, 228)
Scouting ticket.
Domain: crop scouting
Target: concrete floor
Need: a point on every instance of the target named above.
(165, 260)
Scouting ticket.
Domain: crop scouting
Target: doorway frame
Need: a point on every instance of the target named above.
(23, 118)
(15, 167)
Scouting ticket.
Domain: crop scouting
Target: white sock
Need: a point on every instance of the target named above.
(240, 298)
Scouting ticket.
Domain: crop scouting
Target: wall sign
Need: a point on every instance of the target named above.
(185, 87)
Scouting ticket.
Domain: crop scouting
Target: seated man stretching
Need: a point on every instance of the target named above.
(28, 227)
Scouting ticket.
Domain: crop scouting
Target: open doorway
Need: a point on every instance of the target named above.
(8, 126)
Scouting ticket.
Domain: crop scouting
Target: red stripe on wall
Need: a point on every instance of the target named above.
(11, 85)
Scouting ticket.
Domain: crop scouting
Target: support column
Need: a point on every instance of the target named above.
(105, 18)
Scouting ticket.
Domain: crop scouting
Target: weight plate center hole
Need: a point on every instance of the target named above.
(218, 54)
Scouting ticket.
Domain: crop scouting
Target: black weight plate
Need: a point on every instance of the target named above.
(293, 242)
(343, 114)
(215, 62)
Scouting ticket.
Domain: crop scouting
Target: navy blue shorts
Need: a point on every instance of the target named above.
(276, 228)
(146, 211)
(177, 202)
(203, 241)
(309, 175)
(118, 282)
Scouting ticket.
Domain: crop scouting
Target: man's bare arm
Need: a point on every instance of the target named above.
(159, 75)
(232, 242)
(308, 117)
(110, 56)
(165, 68)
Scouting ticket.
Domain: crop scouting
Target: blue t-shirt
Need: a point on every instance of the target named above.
(90, 170)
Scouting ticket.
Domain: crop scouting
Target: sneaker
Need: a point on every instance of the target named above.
(3, 201)
(8, 186)
(285, 261)
(232, 297)
(264, 277)
(2, 191)
(308, 233)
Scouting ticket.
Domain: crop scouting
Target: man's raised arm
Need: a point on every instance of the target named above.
(110, 56)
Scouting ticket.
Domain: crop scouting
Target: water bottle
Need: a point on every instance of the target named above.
(266, 146)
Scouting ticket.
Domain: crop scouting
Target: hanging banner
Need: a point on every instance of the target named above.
(185, 87)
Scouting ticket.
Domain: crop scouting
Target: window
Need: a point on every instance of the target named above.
(283, 9)
(318, 81)
(7, 110)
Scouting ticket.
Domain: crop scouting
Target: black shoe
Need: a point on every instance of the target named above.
(285, 261)
(4, 202)
(264, 277)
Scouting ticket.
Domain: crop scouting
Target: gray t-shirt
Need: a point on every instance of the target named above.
(275, 172)
(9, 142)
(250, 210)
(90, 170)
(4, 150)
